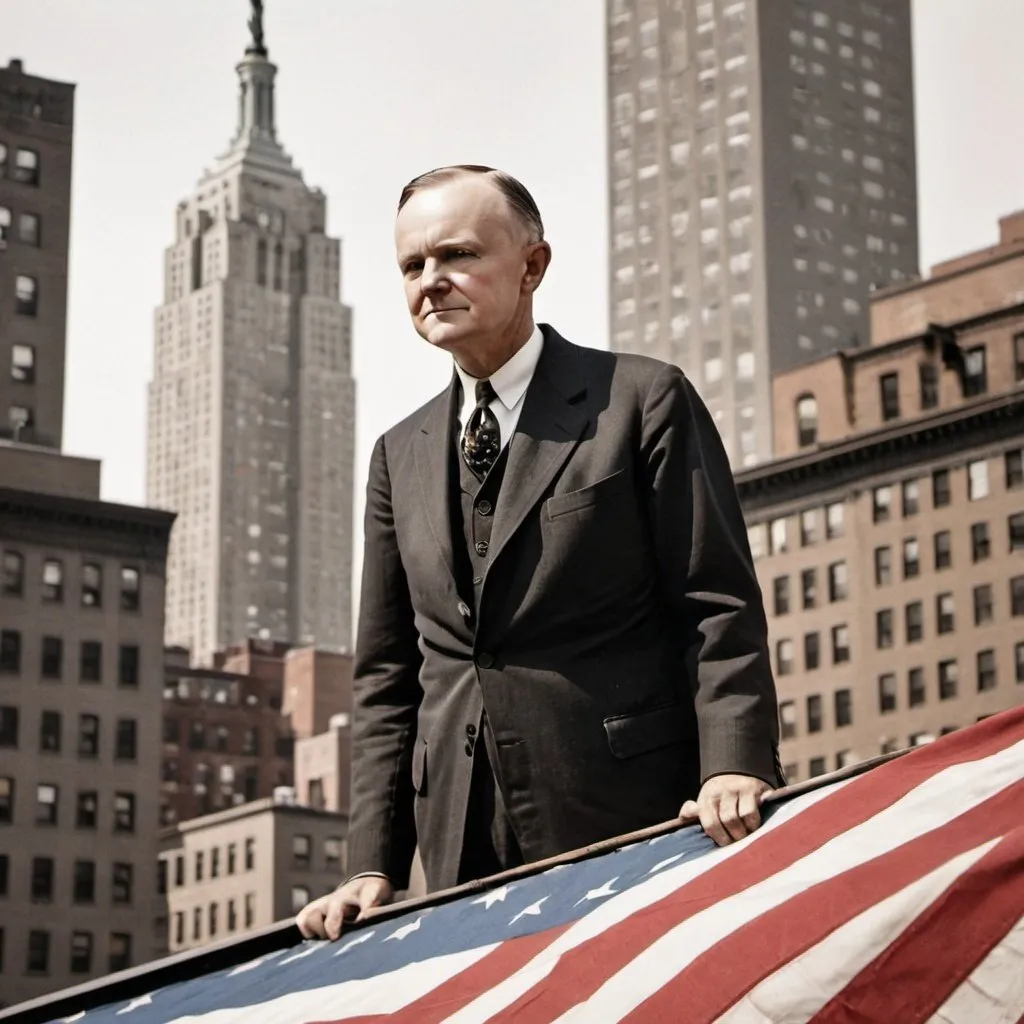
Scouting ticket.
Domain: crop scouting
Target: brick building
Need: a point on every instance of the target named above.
(889, 536)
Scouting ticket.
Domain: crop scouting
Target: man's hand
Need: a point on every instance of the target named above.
(727, 807)
(325, 917)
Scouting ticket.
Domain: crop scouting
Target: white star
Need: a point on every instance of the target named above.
(494, 896)
(365, 937)
(71, 1020)
(533, 910)
(659, 839)
(665, 863)
(136, 1003)
(405, 930)
(253, 964)
(308, 951)
(598, 894)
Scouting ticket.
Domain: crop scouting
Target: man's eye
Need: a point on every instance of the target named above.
(456, 254)
(413, 267)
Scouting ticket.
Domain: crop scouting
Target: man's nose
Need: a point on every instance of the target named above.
(432, 278)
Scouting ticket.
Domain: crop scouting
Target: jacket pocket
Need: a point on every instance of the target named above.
(644, 731)
(419, 766)
(573, 501)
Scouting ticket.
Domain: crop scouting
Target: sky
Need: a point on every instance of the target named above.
(370, 94)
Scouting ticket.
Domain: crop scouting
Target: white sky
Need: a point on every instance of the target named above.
(371, 92)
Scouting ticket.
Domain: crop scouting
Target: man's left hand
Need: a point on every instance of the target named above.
(728, 807)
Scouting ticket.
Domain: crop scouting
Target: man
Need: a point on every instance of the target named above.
(561, 634)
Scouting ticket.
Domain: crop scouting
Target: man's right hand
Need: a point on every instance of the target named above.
(324, 918)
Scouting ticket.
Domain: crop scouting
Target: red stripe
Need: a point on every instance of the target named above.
(713, 982)
(916, 973)
(581, 971)
(441, 1002)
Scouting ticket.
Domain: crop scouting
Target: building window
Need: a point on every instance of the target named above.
(250, 854)
(834, 520)
(300, 897)
(814, 723)
(914, 614)
(883, 566)
(81, 953)
(838, 582)
(809, 527)
(197, 923)
(232, 916)
(86, 809)
(232, 857)
(983, 604)
(301, 851)
(130, 591)
(90, 661)
(52, 657)
(1014, 462)
(947, 679)
(1017, 596)
(977, 480)
(200, 865)
(843, 708)
(46, 804)
(986, 670)
(915, 687)
(1015, 527)
(812, 651)
(975, 373)
(940, 488)
(10, 652)
(38, 960)
(840, 644)
(816, 767)
(756, 540)
(911, 558)
(128, 665)
(213, 920)
(124, 812)
(250, 909)
(9, 726)
(883, 628)
(809, 587)
(92, 586)
(887, 692)
(889, 386)
(29, 229)
(780, 590)
(911, 497)
(1018, 357)
(42, 879)
(5, 871)
(777, 534)
(5, 221)
(332, 845)
(125, 747)
(943, 550)
(88, 736)
(6, 794)
(120, 951)
(53, 581)
(944, 612)
(196, 735)
(26, 167)
(12, 576)
(83, 884)
(882, 504)
(928, 379)
(215, 860)
(784, 657)
(26, 295)
(1018, 661)
(49, 732)
(221, 739)
(980, 545)
(806, 421)
(23, 364)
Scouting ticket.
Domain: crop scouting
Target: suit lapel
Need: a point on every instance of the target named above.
(432, 450)
(548, 429)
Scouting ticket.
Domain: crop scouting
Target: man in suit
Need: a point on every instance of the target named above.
(561, 634)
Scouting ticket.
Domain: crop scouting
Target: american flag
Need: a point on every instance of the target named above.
(894, 896)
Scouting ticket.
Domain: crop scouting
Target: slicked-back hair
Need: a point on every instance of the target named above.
(515, 192)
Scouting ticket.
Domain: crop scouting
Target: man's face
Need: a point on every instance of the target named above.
(468, 266)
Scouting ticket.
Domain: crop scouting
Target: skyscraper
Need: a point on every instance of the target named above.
(251, 405)
(763, 182)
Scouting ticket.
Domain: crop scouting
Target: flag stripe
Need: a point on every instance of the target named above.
(582, 972)
(693, 919)
(911, 979)
(994, 993)
(753, 952)
(803, 986)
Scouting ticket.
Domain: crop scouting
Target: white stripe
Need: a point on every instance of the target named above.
(620, 907)
(933, 803)
(380, 993)
(797, 991)
(994, 993)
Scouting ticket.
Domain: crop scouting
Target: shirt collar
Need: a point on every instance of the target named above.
(511, 380)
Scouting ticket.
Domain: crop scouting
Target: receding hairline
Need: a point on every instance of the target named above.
(517, 197)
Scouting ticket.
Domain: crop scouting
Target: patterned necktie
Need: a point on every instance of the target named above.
(481, 443)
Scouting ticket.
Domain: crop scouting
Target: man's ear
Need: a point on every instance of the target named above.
(538, 259)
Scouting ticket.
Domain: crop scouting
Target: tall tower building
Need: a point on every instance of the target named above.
(251, 406)
(763, 183)
(36, 128)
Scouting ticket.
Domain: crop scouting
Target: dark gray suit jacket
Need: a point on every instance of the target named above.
(620, 648)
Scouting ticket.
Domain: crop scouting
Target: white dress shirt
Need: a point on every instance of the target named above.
(509, 382)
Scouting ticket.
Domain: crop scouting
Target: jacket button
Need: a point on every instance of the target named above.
(464, 610)
(484, 508)
(481, 547)
(485, 660)
(471, 730)
(469, 749)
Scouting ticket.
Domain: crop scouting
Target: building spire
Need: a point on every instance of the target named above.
(256, 95)
(257, 47)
